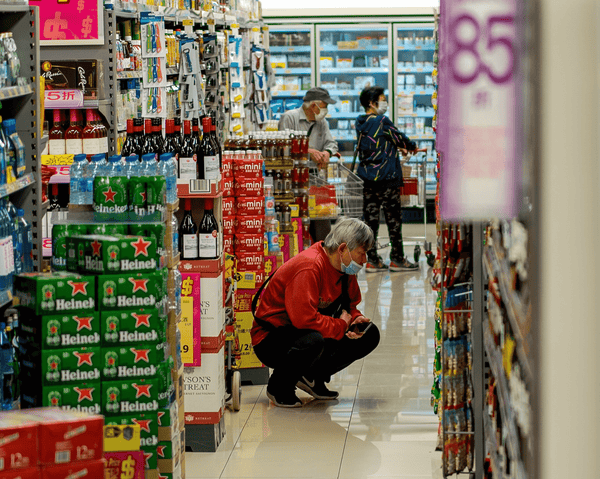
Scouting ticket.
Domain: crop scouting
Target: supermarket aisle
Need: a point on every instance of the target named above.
(382, 424)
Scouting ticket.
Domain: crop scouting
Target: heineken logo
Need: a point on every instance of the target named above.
(141, 319)
(109, 195)
(139, 285)
(125, 301)
(127, 406)
(160, 450)
(79, 287)
(96, 248)
(62, 304)
(110, 209)
(68, 340)
(142, 390)
(83, 323)
(141, 247)
(135, 336)
(140, 355)
(92, 409)
(134, 265)
(83, 358)
(79, 375)
(143, 423)
(149, 441)
(134, 371)
(84, 393)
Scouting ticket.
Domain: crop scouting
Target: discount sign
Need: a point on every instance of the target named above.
(479, 109)
(66, 21)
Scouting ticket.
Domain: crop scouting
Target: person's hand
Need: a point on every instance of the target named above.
(326, 157)
(351, 333)
(346, 317)
(315, 155)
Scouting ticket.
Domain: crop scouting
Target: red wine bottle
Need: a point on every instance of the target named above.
(188, 162)
(148, 146)
(129, 147)
(208, 233)
(208, 156)
(188, 234)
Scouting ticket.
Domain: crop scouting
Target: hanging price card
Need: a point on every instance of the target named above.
(64, 22)
(479, 109)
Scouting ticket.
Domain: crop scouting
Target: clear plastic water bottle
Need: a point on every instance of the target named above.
(131, 167)
(27, 238)
(178, 285)
(78, 182)
(168, 168)
(175, 230)
(87, 183)
(95, 168)
(149, 165)
(102, 165)
(114, 166)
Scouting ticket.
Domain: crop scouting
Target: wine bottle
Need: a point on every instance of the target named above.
(177, 135)
(129, 147)
(102, 133)
(188, 233)
(188, 159)
(217, 143)
(208, 233)
(91, 142)
(208, 154)
(56, 141)
(157, 137)
(73, 136)
(138, 131)
(195, 134)
(148, 146)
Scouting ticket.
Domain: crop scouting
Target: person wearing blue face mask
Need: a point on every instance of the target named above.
(307, 326)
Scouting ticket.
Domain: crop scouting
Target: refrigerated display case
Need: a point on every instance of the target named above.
(291, 48)
(350, 58)
(414, 47)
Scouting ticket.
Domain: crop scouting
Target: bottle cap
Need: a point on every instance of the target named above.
(148, 157)
(208, 204)
(114, 158)
(80, 157)
(132, 158)
(166, 156)
(98, 157)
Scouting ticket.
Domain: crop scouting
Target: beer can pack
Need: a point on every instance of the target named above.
(83, 397)
(130, 396)
(133, 290)
(148, 423)
(133, 326)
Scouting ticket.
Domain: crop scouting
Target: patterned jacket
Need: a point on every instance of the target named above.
(378, 149)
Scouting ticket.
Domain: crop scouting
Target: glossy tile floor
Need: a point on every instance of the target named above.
(382, 425)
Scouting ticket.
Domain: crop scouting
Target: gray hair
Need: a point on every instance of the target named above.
(351, 231)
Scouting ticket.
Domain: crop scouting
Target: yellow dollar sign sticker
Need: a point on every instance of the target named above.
(128, 468)
(186, 287)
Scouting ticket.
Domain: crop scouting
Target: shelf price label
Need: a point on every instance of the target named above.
(63, 99)
(479, 109)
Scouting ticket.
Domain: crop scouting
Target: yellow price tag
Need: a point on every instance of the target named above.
(56, 160)
(186, 327)
(255, 29)
(188, 22)
(235, 25)
(210, 21)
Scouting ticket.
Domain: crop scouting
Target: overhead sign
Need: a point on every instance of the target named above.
(64, 22)
(479, 109)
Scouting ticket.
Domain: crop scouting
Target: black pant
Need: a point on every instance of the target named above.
(388, 198)
(293, 353)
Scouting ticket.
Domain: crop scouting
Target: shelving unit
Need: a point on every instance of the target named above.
(21, 103)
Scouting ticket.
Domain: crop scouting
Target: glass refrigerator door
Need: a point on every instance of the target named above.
(350, 58)
(413, 53)
(291, 48)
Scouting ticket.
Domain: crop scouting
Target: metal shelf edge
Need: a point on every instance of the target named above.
(24, 182)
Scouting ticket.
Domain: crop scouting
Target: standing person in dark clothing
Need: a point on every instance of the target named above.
(379, 145)
(307, 326)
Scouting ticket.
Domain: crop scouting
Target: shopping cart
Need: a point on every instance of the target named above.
(414, 172)
(335, 192)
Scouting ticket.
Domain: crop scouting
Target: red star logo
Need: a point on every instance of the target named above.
(53, 329)
(141, 247)
(53, 365)
(160, 415)
(109, 195)
(113, 254)
(141, 319)
(54, 401)
(78, 287)
(147, 456)
(140, 355)
(143, 195)
(85, 393)
(83, 323)
(144, 424)
(142, 390)
(48, 294)
(96, 246)
(160, 476)
(161, 451)
(110, 290)
(139, 285)
(83, 358)
(112, 397)
(112, 326)
(111, 361)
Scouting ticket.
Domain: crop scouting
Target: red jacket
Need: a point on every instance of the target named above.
(298, 289)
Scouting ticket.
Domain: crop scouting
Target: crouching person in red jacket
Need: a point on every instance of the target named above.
(306, 326)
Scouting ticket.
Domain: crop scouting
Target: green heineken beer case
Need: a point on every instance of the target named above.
(110, 199)
(133, 326)
(105, 254)
(132, 361)
(167, 449)
(56, 293)
(166, 388)
(148, 423)
(59, 331)
(132, 290)
(151, 456)
(130, 396)
(70, 366)
(83, 397)
(154, 230)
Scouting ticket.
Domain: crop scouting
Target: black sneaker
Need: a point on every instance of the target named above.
(284, 400)
(403, 265)
(375, 265)
(316, 388)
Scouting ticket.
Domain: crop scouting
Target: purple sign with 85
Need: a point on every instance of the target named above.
(479, 123)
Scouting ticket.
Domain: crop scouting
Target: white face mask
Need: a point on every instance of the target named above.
(383, 107)
(322, 114)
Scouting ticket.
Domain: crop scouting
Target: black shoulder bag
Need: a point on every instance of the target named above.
(356, 150)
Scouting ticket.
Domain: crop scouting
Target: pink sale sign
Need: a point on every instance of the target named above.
(64, 21)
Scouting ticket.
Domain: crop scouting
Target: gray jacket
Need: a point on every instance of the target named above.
(320, 136)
